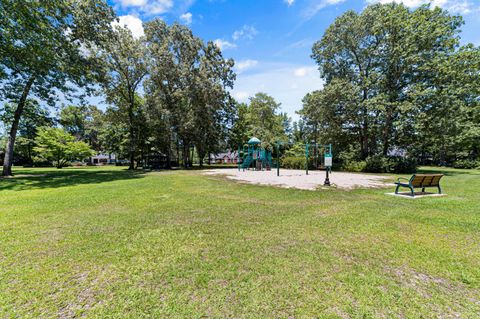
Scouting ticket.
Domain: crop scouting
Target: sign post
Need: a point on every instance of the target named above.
(328, 163)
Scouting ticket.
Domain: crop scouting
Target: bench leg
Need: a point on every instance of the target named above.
(413, 192)
(439, 189)
(396, 189)
(423, 189)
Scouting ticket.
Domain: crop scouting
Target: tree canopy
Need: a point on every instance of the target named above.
(397, 79)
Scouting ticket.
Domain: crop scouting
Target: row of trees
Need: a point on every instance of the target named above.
(167, 91)
(396, 80)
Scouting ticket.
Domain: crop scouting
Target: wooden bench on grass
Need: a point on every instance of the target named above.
(420, 181)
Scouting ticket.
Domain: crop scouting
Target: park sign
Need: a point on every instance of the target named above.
(328, 160)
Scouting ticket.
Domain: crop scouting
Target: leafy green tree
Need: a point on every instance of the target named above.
(394, 79)
(60, 147)
(42, 52)
(239, 133)
(188, 88)
(263, 120)
(85, 122)
(124, 65)
(34, 117)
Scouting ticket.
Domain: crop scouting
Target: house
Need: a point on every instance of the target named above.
(224, 158)
(102, 159)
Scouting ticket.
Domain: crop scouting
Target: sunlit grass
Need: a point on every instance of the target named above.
(106, 242)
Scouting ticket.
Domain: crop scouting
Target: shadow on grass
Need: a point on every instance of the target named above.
(63, 178)
(447, 171)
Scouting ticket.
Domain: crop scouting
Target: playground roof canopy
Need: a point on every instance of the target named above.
(254, 141)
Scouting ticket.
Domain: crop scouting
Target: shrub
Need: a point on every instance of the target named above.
(466, 163)
(402, 165)
(350, 161)
(291, 162)
(376, 164)
(393, 164)
(353, 166)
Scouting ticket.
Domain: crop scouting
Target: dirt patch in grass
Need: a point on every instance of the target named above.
(437, 288)
(300, 180)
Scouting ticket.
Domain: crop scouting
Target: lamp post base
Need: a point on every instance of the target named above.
(327, 179)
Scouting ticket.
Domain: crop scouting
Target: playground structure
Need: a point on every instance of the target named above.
(258, 158)
(255, 156)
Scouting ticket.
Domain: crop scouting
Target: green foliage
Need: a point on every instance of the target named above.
(466, 163)
(402, 165)
(260, 119)
(396, 79)
(42, 52)
(84, 122)
(34, 116)
(297, 150)
(290, 162)
(353, 166)
(188, 88)
(392, 164)
(376, 164)
(58, 146)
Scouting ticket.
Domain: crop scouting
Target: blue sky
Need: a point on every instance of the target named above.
(270, 40)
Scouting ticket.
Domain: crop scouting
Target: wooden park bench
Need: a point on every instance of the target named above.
(420, 181)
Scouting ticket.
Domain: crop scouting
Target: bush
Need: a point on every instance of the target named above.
(394, 164)
(466, 163)
(353, 166)
(291, 162)
(376, 164)
(402, 165)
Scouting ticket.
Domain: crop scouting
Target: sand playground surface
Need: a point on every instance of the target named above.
(298, 179)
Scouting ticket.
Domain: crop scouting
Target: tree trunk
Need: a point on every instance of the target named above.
(8, 160)
(131, 166)
(185, 155)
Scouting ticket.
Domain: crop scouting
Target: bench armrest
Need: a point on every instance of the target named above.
(402, 178)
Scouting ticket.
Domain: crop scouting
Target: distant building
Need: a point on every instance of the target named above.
(102, 159)
(224, 158)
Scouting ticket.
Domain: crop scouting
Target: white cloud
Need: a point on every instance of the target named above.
(132, 3)
(455, 6)
(131, 22)
(304, 71)
(186, 18)
(245, 64)
(148, 6)
(289, 2)
(247, 32)
(241, 96)
(316, 6)
(224, 45)
(278, 80)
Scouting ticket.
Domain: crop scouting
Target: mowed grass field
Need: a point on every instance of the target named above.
(109, 243)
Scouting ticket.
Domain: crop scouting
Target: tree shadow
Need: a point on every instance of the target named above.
(64, 178)
(447, 171)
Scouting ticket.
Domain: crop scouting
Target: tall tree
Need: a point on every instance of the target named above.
(41, 51)
(34, 117)
(85, 122)
(188, 87)
(397, 66)
(123, 58)
(264, 122)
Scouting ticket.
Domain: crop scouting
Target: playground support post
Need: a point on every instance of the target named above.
(306, 158)
(278, 159)
(238, 158)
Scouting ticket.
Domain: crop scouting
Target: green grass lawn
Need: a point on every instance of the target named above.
(105, 242)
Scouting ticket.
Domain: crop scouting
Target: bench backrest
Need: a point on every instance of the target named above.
(426, 180)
